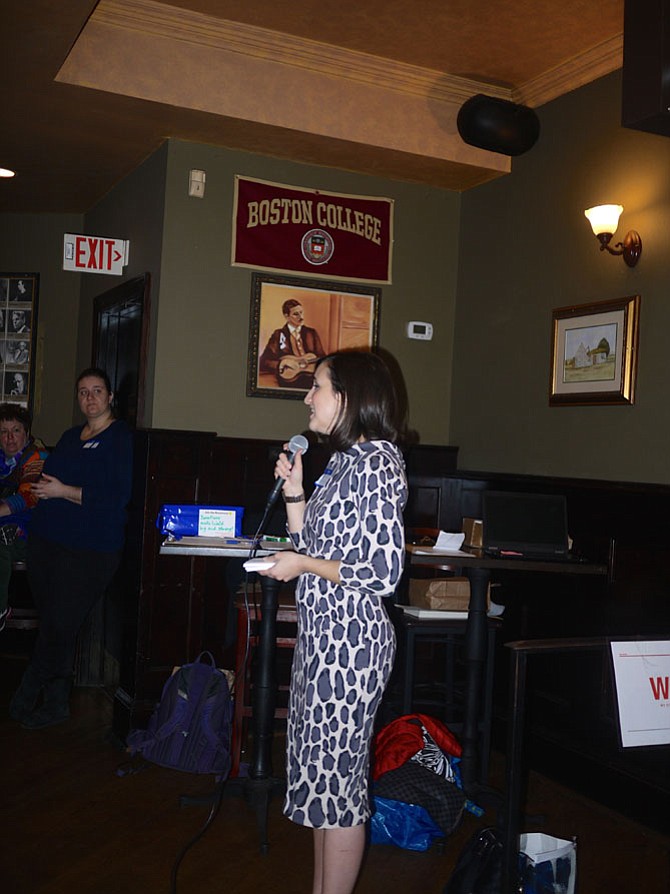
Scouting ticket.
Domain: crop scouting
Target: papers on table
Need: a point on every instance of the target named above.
(431, 614)
(243, 543)
(445, 545)
(233, 547)
(449, 541)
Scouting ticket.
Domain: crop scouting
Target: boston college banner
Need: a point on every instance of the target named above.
(289, 229)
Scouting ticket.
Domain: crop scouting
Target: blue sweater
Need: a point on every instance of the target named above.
(102, 467)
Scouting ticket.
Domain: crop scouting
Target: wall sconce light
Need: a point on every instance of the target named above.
(604, 220)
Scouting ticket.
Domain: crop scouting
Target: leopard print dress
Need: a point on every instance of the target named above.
(345, 644)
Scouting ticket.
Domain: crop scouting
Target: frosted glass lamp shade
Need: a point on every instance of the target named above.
(604, 218)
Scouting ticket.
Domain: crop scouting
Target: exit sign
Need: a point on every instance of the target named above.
(95, 254)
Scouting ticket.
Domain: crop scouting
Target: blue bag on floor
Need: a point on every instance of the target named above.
(190, 728)
(406, 825)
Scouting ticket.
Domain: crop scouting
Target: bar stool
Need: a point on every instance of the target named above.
(446, 701)
(24, 615)
(248, 618)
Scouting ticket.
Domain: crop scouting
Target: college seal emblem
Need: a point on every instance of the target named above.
(317, 246)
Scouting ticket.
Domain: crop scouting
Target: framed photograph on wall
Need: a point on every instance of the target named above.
(293, 322)
(594, 353)
(18, 336)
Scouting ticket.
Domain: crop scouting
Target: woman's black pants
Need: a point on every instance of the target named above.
(65, 584)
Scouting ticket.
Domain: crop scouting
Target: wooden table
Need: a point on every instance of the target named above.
(479, 568)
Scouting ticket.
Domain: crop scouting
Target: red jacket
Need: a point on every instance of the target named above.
(401, 739)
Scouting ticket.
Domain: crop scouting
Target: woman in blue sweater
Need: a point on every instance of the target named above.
(74, 546)
(20, 467)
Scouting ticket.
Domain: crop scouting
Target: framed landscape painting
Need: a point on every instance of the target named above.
(594, 353)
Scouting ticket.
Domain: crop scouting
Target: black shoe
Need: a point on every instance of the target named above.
(43, 717)
(25, 698)
(56, 706)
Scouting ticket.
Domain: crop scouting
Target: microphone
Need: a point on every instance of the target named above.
(297, 442)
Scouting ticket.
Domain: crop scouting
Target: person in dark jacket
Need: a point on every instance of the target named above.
(20, 467)
(74, 546)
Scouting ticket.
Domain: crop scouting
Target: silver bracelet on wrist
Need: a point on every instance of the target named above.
(299, 498)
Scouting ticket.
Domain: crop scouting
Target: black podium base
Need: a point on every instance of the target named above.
(256, 792)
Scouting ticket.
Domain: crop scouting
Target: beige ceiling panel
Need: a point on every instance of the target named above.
(249, 74)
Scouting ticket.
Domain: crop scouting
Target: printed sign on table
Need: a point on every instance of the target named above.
(642, 674)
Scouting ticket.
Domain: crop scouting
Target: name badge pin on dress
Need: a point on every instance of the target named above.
(322, 480)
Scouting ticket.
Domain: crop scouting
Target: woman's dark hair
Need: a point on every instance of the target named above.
(96, 373)
(16, 413)
(369, 402)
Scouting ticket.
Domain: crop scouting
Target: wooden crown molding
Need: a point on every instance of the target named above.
(576, 72)
(176, 23)
(248, 40)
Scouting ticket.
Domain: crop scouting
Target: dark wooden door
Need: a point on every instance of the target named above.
(120, 339)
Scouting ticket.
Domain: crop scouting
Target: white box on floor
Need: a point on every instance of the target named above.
(552, 863)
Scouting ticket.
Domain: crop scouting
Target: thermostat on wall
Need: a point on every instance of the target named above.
(422, 331)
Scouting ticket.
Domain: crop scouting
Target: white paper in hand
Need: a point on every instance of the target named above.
(259, 564)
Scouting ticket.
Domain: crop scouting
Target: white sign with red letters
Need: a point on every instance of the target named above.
(95, 254)
(642, 674)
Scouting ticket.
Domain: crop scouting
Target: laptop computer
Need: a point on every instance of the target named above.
(531, 526)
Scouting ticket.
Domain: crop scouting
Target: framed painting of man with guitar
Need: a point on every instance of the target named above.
(293, 322)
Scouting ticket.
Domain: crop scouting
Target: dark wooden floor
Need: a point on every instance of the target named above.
(71, 824)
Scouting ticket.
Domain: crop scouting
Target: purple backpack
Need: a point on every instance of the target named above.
(190, 728)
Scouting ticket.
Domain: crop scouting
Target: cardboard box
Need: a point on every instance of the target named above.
(473, 528)
(451, 594)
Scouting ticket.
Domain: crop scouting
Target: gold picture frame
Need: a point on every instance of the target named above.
(594, 353)
(331, 316)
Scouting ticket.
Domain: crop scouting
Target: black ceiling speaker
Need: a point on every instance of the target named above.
(498, 125)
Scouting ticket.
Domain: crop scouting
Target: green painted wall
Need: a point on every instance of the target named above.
(33, 243)
(133, 210)
(200, 305)
(203, 318)
(527, 248)
(486, 268)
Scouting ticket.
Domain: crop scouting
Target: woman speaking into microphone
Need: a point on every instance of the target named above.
(348, 555)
